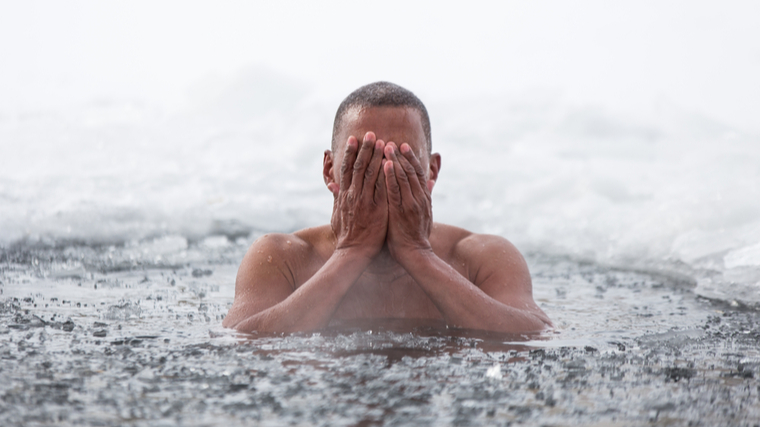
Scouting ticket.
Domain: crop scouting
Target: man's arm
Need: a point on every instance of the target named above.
(499, 296)
(264, 297)
(265, 300)
(500, 299)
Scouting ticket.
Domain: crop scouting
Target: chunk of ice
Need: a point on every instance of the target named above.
(747, 256)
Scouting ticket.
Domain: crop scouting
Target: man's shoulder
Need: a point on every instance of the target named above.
(306, 241)
(315, 235)
(487, 256)
(445, 238)
(463, 243)
(318, 240)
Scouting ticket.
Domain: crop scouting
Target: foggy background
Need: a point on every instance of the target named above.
(701, 56)
(622, 133)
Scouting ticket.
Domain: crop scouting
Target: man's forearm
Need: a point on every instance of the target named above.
(463, 304)
(312, 305)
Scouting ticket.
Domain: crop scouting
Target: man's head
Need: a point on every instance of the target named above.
(393, 114)
(380, 94)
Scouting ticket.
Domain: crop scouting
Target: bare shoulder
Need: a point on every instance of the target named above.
(283, 251)
(489, 259)
(320, 241)
(493, 264)
(486, 247)
(274, 249)
(269, 272)
(278, 242)
(462, 243)
(444, 238)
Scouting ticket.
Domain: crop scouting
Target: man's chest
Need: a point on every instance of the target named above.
(374, 298)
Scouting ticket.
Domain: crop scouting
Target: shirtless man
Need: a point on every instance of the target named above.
(382, 256)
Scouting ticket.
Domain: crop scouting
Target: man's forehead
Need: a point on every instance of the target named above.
(397, 124)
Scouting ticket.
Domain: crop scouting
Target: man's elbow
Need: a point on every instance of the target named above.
(228, 322)
(542, 321)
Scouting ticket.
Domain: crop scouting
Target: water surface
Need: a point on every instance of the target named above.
(110, 336)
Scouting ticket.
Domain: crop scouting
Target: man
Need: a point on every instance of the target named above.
(382, 256)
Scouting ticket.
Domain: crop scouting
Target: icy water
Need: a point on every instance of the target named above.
(122, 226)
(108, 336)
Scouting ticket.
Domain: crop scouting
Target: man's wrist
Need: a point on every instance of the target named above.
(358, 255)
(414, 256)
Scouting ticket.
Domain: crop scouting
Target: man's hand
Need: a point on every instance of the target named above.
(499, 300)
(360, 212)
(410, 210)
(265, 300)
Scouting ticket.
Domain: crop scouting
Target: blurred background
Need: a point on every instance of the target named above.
(620, 133)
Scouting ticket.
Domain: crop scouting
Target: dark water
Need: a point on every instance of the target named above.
(113, 335)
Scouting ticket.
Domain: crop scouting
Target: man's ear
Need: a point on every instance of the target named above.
(433, 169)
(328, 173)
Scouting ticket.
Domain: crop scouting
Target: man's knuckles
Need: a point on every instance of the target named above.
(369, 172)
(402, 177)
(349, 196)
(344, 166)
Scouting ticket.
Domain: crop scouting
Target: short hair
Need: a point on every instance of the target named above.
(382, 94)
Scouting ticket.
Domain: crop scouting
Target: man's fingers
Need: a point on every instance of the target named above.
(349, 157)
(373, 169)
(362, 160)
(391, 185)
(411, 174)
(381, 190)
(407, 152)
(401, 177)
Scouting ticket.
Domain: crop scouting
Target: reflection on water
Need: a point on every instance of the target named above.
(395, 339)
(100, 336)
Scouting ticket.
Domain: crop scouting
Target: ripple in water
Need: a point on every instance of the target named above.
(142, 345)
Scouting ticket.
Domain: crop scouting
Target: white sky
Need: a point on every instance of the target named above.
(701, 56)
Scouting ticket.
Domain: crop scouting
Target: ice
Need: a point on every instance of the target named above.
(124, 311)
(581, 182)
(748, 256)
(616, 173)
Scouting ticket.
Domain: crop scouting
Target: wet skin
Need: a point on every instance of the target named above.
(382, 256)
